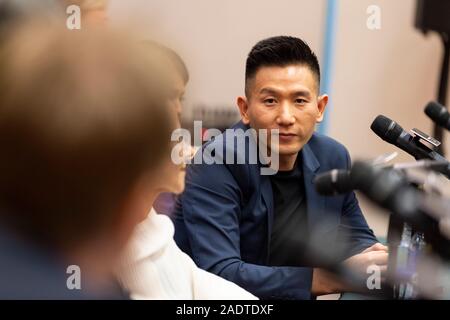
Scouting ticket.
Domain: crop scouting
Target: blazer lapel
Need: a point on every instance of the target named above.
(267, 197)
(314, 202)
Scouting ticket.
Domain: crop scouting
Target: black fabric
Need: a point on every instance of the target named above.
(289, 232)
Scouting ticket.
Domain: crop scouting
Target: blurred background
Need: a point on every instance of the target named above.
(391, 70)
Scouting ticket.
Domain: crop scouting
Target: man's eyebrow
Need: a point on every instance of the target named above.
(268, 91)
(303, 93)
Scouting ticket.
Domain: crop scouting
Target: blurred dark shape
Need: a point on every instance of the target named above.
(433, 15)
(439, 114)
(391, 190)
(334, 182)
(14, 12)
(84, 124)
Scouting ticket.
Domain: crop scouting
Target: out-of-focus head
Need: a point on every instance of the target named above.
(172, 176)
(177, 70)
(84, 126)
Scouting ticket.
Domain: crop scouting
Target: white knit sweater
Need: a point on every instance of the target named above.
(153, 267)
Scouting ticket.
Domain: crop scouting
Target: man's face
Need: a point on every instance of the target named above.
(284, 98)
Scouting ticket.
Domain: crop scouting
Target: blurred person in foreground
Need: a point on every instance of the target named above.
(165, 202)
(83, 128)
(153, 267)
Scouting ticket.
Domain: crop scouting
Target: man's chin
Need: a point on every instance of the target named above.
(286, 151)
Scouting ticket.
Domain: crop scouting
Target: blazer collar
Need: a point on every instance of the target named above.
(310, 162)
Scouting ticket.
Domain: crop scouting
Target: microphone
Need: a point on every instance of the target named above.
(392, 191)
(334, 182)
(439, 114)
(393, 133)
(339, 181)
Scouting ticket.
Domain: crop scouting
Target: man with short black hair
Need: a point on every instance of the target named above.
(258, 230)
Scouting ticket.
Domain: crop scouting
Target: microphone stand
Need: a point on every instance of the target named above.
(438, 132)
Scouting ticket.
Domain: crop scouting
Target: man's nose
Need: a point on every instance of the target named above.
(286, 116)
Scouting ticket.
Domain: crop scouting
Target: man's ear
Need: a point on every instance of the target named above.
(242, 103)
(322, 102)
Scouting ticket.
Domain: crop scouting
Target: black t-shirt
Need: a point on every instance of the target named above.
(290, 219)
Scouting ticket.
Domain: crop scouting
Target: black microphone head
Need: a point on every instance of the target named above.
(386, 129)
(378, 184)
(438, 113)
(333, 182)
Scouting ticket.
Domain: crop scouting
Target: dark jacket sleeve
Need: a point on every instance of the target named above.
(211, 210)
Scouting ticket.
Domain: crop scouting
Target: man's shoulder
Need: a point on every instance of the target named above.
(322, 143)
(329, 152)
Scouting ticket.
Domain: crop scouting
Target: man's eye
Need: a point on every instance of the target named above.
(300, 101)
(270, 101)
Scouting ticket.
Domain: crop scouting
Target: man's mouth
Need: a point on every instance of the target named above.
(287, 134)
(287, 137)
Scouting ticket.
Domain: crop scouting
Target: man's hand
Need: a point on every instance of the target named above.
(326, 283)
(374, 255)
